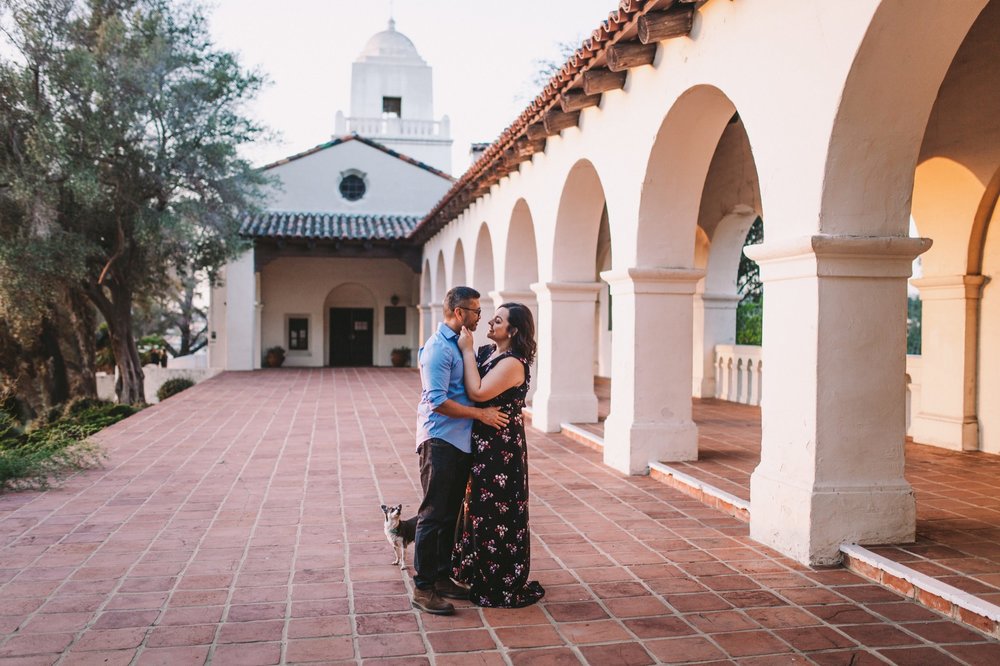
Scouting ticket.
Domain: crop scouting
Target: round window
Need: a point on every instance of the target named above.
(352, 187)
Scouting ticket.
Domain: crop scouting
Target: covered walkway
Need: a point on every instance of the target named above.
(958, 493)
(238, 522)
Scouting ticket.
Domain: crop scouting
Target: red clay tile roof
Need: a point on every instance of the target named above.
(327, 226)
(368, 142)
(620, 23)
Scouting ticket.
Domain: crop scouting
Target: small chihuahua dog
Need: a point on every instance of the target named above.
(400, 533)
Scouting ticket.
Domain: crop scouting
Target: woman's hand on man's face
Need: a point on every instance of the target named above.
(465, 341)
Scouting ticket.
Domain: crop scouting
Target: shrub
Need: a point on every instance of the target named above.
(173, 387)
(50, 448)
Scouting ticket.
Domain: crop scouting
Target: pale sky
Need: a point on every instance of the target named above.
(482, 54)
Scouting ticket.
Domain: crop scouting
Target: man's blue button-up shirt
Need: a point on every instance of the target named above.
(442, 378)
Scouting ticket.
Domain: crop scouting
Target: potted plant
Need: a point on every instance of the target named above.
(400, 357)
(274, 357)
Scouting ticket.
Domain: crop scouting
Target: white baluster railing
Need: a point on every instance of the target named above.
(397, 127)
(738, 373)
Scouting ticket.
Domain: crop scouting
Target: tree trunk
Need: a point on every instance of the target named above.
(117, 311)
(43, 370)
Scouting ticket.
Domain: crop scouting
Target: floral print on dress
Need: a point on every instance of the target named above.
(493, 546)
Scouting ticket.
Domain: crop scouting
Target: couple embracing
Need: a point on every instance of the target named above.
(472, 526)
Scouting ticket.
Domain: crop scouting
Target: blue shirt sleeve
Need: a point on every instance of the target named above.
(435, 365)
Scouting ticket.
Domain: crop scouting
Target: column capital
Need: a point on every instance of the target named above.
(720, 300)
(825, 255)
(566, 291)
(513, 296)
(950, 287)
(651, 280)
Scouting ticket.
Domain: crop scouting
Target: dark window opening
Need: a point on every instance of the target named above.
(298, 333)
(392, 106)
(352, 187)
(395, 320)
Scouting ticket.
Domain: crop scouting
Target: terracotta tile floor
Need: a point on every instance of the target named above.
(958, 493)
(238, 523)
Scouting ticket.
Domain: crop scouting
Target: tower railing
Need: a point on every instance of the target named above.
(397, 128)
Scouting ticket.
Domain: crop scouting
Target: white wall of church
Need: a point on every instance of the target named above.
(311, 183)
(835, 157)
(370, 82)
(292, 287)
(989, 345)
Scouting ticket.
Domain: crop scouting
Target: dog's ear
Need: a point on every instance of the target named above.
(400, 509)
(384, 508)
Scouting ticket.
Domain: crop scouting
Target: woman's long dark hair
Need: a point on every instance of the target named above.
(523, 341)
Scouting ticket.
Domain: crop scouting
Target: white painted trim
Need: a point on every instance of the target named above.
(697, 484)
(923, 581)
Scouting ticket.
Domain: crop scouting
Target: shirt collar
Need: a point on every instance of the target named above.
(446, 331)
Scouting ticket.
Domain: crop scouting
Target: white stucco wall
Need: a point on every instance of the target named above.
(834, 120)
(311, 183)
(300, 288)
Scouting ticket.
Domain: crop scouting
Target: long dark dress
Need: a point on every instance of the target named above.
(492, 545)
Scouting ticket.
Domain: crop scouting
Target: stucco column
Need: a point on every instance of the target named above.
(529, 299)
(565, 354)
(717, 315)
(950, 328)
(241, 313)
(833, 413)
(426, 311)
(650, 416)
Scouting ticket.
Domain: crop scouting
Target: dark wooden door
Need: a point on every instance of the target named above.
(351, 336)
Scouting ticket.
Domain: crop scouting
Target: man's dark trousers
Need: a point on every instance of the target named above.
(444, 474)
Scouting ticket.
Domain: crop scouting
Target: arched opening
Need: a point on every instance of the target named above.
(440, 289)
(679, 211)
(954, 197)
(520, 271)
(482, 279)
(458, 267)
(836, 296)
(568, 305)
(350, 321)
(426, 305)
(520, 259)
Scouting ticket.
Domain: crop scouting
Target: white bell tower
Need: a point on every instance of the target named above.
(392, 101)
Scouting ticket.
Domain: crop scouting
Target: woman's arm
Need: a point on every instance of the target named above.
(506, 374)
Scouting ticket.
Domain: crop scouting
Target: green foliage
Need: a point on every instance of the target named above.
(750, 321)
(120, 124)
(173, 387)
(750, 311)
(914, 311)
(48, 449)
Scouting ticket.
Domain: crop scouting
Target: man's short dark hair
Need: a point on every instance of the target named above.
(458, 295)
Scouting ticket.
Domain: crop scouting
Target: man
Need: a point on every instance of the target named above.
(444, 444)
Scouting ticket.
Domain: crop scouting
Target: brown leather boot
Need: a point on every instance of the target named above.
(449, 589)
(429, 602)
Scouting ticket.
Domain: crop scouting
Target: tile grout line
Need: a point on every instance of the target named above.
(228, 603)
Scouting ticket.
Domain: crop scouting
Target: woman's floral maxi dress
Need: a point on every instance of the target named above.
(492, 545)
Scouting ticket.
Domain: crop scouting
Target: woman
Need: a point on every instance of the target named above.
(492, 548)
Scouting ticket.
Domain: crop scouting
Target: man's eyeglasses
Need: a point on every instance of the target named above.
(478, 311)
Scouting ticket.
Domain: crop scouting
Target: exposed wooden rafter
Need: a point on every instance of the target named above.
(658, 26)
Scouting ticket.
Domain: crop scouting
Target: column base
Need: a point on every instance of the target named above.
(629, 447)
(703, 387)
(810, 524)
(945, 431)
(550, 412)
